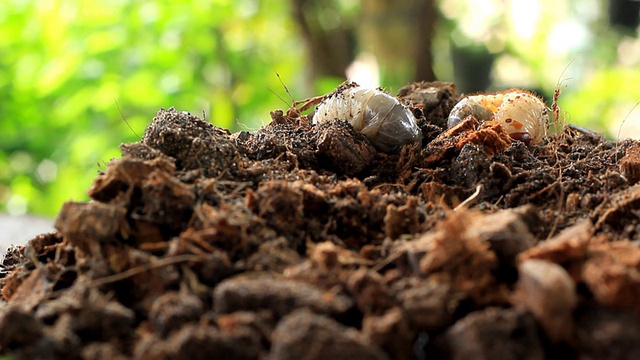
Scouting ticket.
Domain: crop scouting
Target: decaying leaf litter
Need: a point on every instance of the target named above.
(300, 240)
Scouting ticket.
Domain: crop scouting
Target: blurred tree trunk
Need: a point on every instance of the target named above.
(329, 37)
(624, 14)
(397, 32)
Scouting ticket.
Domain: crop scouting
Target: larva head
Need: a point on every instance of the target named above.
(523, 115)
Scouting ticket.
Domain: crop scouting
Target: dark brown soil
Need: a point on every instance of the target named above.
(300, 241)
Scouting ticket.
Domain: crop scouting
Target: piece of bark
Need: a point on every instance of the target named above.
(344, 149)
(31, 292)
(18, 328)
(392, 332)
(429, 305)
(494, 334)
(280, 296)
(505, 232)
(611, 273)
(305, 335)
(569, 248)
(605, 333)
(630, 163)
(197, 341)
(546, 290)
(84, 225)
(370, 292)
(172, 310)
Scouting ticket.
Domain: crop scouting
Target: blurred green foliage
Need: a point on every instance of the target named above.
(72, 71)
(68, 67)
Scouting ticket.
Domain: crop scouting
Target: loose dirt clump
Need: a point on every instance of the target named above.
(302, 241)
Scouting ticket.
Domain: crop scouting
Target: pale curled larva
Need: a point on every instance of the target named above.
(523, 115)
(379, 116)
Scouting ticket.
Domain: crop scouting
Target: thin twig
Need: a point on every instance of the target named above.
(142, 268)
(469, 199)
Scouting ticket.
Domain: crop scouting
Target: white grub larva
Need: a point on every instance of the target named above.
(523, 115)
(379, 116)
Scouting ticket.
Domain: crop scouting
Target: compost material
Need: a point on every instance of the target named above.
(306, 241)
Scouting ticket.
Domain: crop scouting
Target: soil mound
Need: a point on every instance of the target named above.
(305, 241)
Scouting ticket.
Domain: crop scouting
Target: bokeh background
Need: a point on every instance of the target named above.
(71, 72)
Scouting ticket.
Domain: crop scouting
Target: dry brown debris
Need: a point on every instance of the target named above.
(547, 291)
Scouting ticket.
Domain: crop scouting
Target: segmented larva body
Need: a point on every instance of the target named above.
(523, 115)
(374, 113)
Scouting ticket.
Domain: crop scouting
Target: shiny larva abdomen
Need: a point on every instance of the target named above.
(391, 123)
(378, 115)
